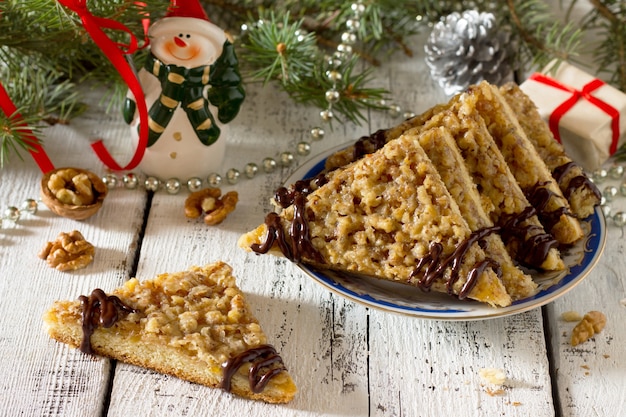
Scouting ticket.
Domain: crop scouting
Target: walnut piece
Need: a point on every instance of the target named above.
(593, 322)
(72, 187)
(69, 252)
(74, 193)
(571, 316)
(492, 376)
(211, 202)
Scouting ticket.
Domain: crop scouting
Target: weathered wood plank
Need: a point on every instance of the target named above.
(432, 367)
(590, 376)
(42, 377)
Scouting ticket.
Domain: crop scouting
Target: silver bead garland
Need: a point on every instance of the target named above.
(611, 191)
(13, 214)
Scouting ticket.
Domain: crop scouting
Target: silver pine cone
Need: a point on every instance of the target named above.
(464, 49)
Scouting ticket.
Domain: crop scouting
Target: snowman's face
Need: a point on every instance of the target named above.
(186, 42)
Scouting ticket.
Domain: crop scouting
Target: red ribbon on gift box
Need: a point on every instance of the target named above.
(584, 93)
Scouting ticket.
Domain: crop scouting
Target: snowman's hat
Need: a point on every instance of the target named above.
(188, 15)
(186, 8)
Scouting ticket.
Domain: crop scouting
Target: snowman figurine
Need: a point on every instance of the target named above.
(192, 89)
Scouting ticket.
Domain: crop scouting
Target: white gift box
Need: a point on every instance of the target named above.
(586, 115)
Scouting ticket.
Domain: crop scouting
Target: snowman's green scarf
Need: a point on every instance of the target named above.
(183, 86)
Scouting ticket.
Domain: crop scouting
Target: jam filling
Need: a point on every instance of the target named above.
(261, 371)
(99, 310)
(432, 266)
(533, 249)
(575, 183)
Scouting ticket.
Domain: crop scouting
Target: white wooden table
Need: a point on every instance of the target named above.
(347, 360)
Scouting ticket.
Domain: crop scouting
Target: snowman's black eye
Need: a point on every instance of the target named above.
(188, 36)
(180, 35)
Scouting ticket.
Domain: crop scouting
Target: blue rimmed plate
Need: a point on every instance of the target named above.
(403, 299)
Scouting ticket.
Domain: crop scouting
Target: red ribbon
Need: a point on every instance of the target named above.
(34, 146)
(584, 93)
(115, 51)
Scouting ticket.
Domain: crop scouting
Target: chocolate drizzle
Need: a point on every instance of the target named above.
(297, 243)
(579, 181)
(376, 141)
(99, 310)
(434, 267)
(261, 371)
(539, 196)
(285, 197)
(275, 234)
(534, 243)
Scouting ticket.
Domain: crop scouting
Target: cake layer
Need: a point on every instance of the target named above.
(501, 196)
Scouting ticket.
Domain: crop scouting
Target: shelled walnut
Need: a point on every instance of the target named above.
(72, 192)
(211, 202)
(592, 323)
(69, 252)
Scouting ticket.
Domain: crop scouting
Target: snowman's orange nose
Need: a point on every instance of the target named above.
(179, 42)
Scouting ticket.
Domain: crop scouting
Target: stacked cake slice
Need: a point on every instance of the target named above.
(451, 200)
(580, 192)
(390, 216)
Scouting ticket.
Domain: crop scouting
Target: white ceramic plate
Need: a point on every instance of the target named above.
(404, 299)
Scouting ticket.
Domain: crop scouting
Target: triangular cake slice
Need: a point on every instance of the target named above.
(370, 144)
(525, 163)
(442, 150)
(193, 324)
(582, 194)
(389, 216)
(501, 196)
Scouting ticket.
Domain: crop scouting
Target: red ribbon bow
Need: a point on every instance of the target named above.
(115, 51)
(584, 93)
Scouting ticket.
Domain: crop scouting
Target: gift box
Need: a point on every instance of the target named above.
(586, 115)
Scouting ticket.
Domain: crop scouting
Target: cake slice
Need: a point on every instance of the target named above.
(194, 324)
(389, 216)
(582, 194)
(370, 144)
(501, 196)
(441, 148)
(527, 166)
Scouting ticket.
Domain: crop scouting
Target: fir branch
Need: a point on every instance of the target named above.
(16, 135)
(279, 50)
(610, 19)
(354, 93)
(543, 38)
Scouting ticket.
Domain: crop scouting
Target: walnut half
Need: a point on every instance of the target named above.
(69, 252)
(211, 202)
(73, 192)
